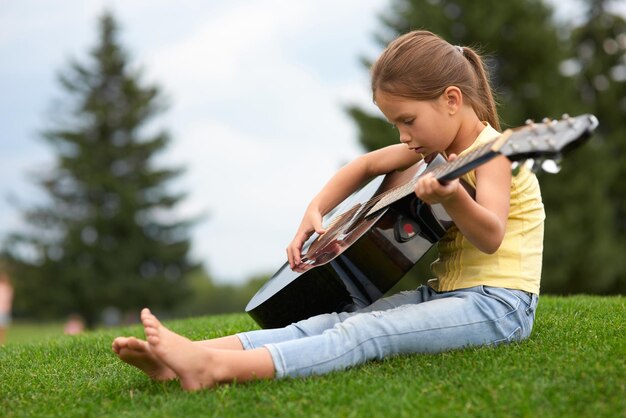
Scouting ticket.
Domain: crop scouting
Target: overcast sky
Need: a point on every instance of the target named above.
(257, 92)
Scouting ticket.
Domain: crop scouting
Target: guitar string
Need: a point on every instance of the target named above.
(389, 196)
(395, 194)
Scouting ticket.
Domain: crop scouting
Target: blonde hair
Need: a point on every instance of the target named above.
(420, 65)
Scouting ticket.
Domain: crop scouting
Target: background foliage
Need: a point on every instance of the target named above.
(103, 240)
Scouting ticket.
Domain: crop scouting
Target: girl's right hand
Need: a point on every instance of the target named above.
(311, 222)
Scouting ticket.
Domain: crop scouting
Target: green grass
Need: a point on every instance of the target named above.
(21, 332)
(572, 366)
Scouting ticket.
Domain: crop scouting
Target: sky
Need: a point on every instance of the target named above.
(257, 92)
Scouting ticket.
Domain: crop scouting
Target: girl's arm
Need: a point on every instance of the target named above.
(347, 180)
(482, 220)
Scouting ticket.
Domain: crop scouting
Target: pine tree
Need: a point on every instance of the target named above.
(107, 236)
(589, 212)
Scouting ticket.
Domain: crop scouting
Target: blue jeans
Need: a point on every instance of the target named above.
(418, 321)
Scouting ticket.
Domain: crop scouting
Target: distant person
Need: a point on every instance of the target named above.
(487, 276)
(74, 325)
(6, 303)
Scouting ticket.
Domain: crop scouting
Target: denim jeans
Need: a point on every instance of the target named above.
(418, 321)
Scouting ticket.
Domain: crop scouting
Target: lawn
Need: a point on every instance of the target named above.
(572, 366)
(25, 332)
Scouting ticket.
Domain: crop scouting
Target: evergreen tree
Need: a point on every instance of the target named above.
(526, 52)
(106, 237)
(592, 218)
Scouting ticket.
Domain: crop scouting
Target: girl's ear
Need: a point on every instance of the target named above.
(453, 99)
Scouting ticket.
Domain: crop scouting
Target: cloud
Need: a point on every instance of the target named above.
(259, 131)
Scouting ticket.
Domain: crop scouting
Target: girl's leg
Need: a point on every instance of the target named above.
(445, 321)
(316, 325)
(451, 320)
(139, 353)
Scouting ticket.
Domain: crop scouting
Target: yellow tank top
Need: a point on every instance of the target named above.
(517, 263)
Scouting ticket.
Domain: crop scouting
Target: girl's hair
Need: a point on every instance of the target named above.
(420, 65)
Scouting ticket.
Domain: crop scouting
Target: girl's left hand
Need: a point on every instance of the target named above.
(430, 191)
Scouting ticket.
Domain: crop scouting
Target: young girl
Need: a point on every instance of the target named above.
(487, 276)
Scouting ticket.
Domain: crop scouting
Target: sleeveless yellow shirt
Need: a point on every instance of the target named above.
(517, 263)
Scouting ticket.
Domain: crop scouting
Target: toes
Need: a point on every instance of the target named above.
(146, 313)
(153, 340)
(148, 319)
(151, 326)
(135, 344)
(119, 343)
(151, 332)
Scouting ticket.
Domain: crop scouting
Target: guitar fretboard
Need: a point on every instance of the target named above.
(444, 172)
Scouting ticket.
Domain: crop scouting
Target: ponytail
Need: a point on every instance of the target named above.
(485, 105)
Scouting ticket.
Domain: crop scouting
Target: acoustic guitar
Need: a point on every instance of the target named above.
(380, 232)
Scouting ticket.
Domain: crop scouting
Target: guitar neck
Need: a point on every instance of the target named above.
(443, 173)
(466, 163)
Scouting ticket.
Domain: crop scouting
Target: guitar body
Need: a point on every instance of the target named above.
(361, 258)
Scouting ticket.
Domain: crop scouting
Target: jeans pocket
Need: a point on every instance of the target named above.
(529, 312)
(516, 335)
(526, 313)
(504, 296)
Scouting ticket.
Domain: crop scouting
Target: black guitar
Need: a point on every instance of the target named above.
(374, 237)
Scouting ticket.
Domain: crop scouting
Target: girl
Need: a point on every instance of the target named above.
(487, 274)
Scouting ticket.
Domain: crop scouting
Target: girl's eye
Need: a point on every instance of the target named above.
(408, 121)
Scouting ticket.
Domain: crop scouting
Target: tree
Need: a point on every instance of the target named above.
(527, 55)
(211, 298)
(592, 219)
(106, 237)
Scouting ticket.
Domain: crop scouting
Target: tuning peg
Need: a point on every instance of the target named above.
(550, 124)
(516, 166)
(552, 166)
(532, 165)
(532, 126)
(593, 122)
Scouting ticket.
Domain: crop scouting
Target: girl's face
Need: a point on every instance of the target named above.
(424, 126)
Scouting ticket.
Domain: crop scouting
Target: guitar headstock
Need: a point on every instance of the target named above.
(542, 144)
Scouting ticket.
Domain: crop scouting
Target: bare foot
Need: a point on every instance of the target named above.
(138, 353)
(191, 362)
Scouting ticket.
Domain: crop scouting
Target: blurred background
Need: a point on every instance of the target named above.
(161, 155)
